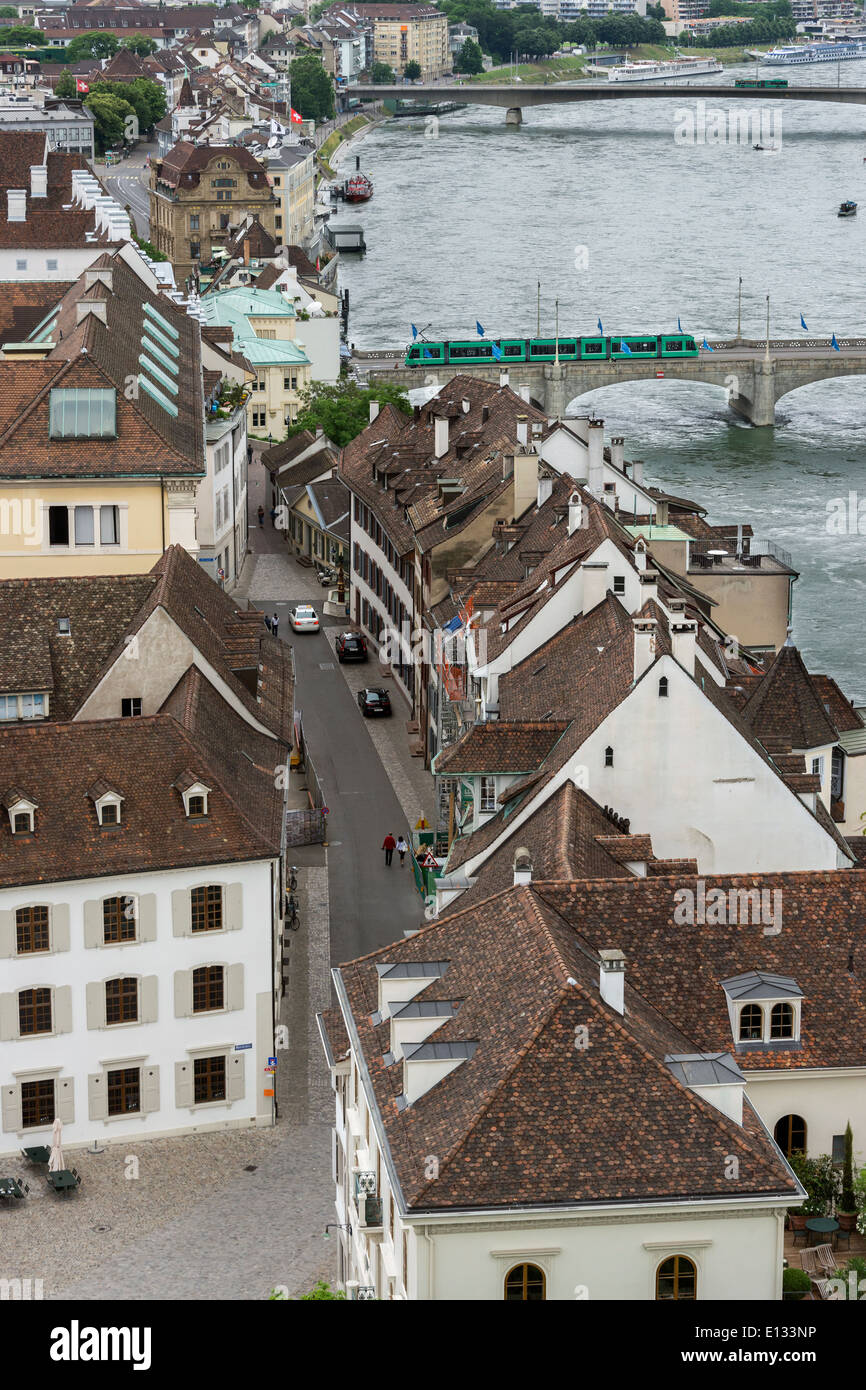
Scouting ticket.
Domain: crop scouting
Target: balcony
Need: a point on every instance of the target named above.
(722, 554)
(370, 1210)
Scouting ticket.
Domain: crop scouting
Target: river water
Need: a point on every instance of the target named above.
(621, 220)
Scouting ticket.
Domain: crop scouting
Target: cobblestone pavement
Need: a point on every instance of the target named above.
(270, 572)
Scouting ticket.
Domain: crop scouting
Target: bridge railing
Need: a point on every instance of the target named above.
(757, 344)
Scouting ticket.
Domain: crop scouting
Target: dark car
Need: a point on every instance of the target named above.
(351, 646)
(371, 702)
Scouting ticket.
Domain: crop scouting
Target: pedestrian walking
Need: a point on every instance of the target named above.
(261, 514)
(402, 847)
(267, 622)
(273, 516)
(389, 845)
(275, 625)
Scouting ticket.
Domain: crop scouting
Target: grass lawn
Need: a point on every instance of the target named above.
(336, 138)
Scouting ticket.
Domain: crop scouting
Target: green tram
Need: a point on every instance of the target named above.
(761, 84)
(480, 352)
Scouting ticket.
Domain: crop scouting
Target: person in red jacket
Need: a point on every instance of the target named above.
(390, 844)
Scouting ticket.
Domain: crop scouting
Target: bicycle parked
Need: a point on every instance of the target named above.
(292, 919)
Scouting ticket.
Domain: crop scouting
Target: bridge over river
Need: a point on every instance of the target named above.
(755, 375)
(515, 96)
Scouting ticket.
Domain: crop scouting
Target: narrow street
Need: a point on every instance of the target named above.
(128, 183)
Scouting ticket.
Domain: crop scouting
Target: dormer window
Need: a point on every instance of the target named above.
(21, 813)
(196, 806)
(781, 1021)
(22, 823)
(107, 801)
(196, 796)
(109, 813)
(765, 1010)
(751, 1023)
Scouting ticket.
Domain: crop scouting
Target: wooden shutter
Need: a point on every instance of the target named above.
(60, 927)
(95, 995)
(94, 931)
(183, 1085)
(97, 1096)
(235, 1076)
(233, 898)
(149, 1081)
(8, 1017)
(234, 986)
(11, 1108)
(147, 917)
(180, 915)
(182, 993)
(7, 935)
(148, 999)
(65, 1096)
(62, 1020)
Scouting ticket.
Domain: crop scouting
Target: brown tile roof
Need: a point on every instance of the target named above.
(788, 705)
(262, 244)
(25, 303)
(333, 501)
(497, 747)
(56, 764)
(48, 223)
(509, 1125)
(839, 708)
(186, 162)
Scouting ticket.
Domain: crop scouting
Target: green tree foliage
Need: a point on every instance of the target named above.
(8, 12)
(343, 409)
(143, 98)
(140, 44)
(317, 10)
(110, 114)
(322, 1290)
(22, 36)
(149, 249)
(91, 45)
(381, 75)
(524, 29)
(470, 58)
(412, 70)
(848, 1198)
(66, 86)
(312, 88)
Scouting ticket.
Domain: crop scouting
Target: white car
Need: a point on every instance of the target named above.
(303, 618)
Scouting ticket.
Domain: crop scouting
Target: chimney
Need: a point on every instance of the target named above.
(38, 181)
(637, 472)
(523, 392)
(485, 414)
(467, 406)
(441, 436)
(683, 638)
(374, 410)
(319, 431)
(16, 204)
(545, 488)
(522, 867)
(523, 430)
(246, 250)
(503, 376)
(640, 554)
(611, 981)
(644, 645)
(649, 587)
(661, 513)
(596, 458)
(575, 513)
(594, 583)
(617, 452)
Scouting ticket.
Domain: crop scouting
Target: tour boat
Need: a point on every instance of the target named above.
(798, 54)
(677, 68)
(358, 189)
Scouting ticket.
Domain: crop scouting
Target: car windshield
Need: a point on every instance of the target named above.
(373, 696)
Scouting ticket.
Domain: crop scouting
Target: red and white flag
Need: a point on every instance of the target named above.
(295, 115)
(81, 85)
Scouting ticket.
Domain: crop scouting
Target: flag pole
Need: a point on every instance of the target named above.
(740, 311)
(538, 313)
(767, 350)
(556, 352)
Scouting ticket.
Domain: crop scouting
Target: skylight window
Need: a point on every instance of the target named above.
(160, 375)
(83, 413)
(155, 351)
(158, 318)
(156, 395)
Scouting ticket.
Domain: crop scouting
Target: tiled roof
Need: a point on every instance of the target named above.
(553, 679)
(50, 223)
(332, 501)
(25, 303)
(788, 705)
(497, 747)
(527, 1119)
(186, 162)
(56, 764)
(838, 707)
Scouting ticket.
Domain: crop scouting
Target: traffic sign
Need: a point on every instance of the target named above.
(272, 1061)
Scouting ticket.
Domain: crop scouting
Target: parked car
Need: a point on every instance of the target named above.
(303, 618)
(351, 646)
(326, 577)
(374, 702)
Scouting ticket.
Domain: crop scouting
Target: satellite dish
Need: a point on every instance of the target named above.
(273, 141)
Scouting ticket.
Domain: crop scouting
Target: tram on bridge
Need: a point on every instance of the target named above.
(480, 353)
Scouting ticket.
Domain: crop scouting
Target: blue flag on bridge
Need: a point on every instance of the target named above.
(705, 345)
(426, 353)
(679, 326)
(834, 345)
(478, 329)
(497, 351)
(600, 329)
(414, 331)
(624, 347)
(803, 323)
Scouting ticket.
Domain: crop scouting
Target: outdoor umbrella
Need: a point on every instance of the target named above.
(56, 1162)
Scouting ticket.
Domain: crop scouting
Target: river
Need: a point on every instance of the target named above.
(622, 221)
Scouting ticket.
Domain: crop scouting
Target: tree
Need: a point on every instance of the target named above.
(381, 75)
(412, 70)
(317, 10)
(22, 36)
(110, 116)
(144, 98)
(312, 88)
(91, 45)
(8, 12)
(470, 58)
(343, 409)
(140, 44)
(847, 1197)
(66, 86)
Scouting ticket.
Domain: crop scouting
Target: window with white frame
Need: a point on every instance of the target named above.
(487, 799)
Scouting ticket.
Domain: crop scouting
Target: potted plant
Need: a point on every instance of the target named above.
(846, 1209)
(795, 1284)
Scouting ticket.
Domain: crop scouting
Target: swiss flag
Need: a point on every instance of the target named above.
(81, 85)
(295, 115)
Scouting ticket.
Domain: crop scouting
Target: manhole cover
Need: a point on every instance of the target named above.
(100, 1228)
(251, 1167)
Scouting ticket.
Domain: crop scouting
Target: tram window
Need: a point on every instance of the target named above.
(514, 350)
(673, 344)
(594, 347)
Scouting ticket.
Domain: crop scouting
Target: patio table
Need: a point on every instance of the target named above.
(63, 1180)
(10, 1187)
(822, 1226)
(40, 1154)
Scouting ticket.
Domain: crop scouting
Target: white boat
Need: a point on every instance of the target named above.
(676, 69)
(800, 54)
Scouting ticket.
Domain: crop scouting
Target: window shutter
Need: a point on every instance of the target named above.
(8, 1017)
(182, 993)
(235, 1076)
(180, 918)
(65, 1095)
(149, 1080)
(94, 933)
(233, 901)
(234, 986)
(7, 935)
(97, 1096)
(11, 1108)
(183, 1087)
(95, 996)
(60, 927)
(148, 996)
(62, 1019)
(147, 917)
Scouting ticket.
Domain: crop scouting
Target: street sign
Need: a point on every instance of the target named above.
(242, 1047)
(422, 824)
(270, 1070)
(272, 1061)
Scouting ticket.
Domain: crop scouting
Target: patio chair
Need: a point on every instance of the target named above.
(824, 1293)
(798, 1226)
(811, 1264)
(826, 1260)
